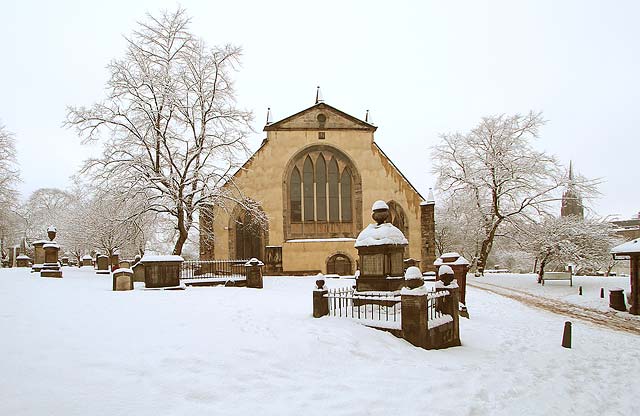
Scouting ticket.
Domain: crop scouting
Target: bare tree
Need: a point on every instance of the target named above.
(583, 243)
(508, 180)
(44, 207)
(9, 177)
(170, 125)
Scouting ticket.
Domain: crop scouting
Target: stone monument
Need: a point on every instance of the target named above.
(51, 267)
(38, 255)
(380, 250)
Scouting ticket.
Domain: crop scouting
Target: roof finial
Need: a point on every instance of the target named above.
(430, 197)
(319, 98)
(570, 171)
(269, 120)
(366, 117)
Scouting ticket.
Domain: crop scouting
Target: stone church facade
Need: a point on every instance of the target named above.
(315, 177)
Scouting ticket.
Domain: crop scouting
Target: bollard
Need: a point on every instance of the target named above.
(566, 335)
(601, 293)
(580, 291)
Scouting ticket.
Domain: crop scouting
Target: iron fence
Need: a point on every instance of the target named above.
(436, 303)
(368, 306)
(213, 269)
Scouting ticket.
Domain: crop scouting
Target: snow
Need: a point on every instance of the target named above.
(379, 204)
(87, 257)
(439, 321)
(254, 262)
(72, 346)
(39, 242)
(152, 258)
(52, 229)
(413, 272)
(123, 270)
(632, 246)
(51, 244)
(377, 235)
(444, 269)
(23, 257)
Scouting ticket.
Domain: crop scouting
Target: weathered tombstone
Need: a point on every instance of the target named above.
(254, 273)
(122, 279)
(51, 267)
(23, 260)
(87, 261)
(64, 260)
(162, 271)
(124, 264)
(115, 261)
(138, 272)
(38, 255)
(103, 264)
(380, 250)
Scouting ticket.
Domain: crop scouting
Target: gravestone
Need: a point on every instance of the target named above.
(103, 264)
(51, 267)
(162, 271)
(122, 280)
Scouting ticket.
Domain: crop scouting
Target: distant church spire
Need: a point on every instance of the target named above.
(366, 116)
(269, 119)
(571, 201)
(319, 98)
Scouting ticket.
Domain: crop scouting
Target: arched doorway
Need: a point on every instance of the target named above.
(248, 236)
(339, 264)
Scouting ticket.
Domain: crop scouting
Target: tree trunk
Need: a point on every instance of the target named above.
(487, 244)
(183, 232)
(543, 262)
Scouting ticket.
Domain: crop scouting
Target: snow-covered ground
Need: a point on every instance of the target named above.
(71, 346)
(560, 289)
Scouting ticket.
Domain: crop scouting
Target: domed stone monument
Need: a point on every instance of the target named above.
(380, 250)
(51, 267)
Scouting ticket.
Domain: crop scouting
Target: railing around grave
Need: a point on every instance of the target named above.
(437, 309)
(377, 309)
(212, 270)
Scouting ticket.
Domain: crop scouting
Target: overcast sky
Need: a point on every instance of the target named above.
(422, 68)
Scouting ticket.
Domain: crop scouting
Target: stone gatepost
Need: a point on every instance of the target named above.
(414, 316)
(103, 264)
(320, 302)
(38, 255)
(123, 279)
(254, 273)
(449, 304)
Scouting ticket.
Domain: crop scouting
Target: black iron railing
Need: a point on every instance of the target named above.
(368, 306)
(213, 269)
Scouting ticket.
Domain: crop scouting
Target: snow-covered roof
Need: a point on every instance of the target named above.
(629, 247)
(378, 235)
(413, 273)
(161, 258)
(379, 204)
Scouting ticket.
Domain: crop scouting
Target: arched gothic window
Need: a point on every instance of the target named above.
(324, 200)
(339, 264)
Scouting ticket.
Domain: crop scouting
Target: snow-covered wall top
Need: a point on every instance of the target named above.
(378, 235)
(458, 261)
(161, 258)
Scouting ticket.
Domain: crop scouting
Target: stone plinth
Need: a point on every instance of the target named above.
(103, 264)
(23, 261)
(38, 255)
(254, 273)
(51, 267)
(162, 271)
(460, 267)
(122, 279)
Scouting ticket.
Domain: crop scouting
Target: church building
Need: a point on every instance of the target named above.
(315, 178)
